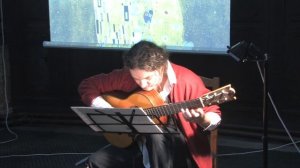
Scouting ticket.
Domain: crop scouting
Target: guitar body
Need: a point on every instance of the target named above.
(143, 99)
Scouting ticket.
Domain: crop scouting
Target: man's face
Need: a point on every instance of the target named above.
(147, 80)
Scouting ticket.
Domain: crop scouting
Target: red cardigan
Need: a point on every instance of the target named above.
(188, 86)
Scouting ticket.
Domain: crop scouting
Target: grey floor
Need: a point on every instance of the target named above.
(244, 152)
(62, 146)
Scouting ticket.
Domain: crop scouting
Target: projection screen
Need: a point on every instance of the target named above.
(199, 26)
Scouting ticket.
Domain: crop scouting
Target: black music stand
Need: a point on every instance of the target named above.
(121, 120)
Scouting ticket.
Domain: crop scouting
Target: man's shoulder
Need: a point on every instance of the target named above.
(183, 71)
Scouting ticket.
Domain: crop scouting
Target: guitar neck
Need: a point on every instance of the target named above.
(150, 98)
(174, 108)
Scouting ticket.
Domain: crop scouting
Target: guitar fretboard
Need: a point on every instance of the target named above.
(173, 108)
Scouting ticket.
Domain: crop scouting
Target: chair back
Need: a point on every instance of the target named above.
(212, 84)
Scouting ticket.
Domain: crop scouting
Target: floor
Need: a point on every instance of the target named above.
(62, 146)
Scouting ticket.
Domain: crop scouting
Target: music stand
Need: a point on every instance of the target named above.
(121, 120)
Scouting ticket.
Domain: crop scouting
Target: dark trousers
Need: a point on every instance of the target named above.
(165, 151)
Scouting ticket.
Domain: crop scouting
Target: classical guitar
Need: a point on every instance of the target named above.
(153, 105)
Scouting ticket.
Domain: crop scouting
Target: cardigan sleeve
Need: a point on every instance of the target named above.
(94, 86)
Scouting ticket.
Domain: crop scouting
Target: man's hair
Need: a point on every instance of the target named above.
(145, 55)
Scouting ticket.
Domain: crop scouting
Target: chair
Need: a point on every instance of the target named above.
(212, 84)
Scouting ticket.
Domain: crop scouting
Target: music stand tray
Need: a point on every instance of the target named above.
(120, 120)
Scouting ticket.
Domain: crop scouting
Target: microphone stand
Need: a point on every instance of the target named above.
(265, 110)
(243, 52)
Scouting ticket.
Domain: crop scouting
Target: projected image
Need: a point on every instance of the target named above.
(194, 25)
(131, 22)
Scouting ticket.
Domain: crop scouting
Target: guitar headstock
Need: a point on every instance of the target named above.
(219, 96)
